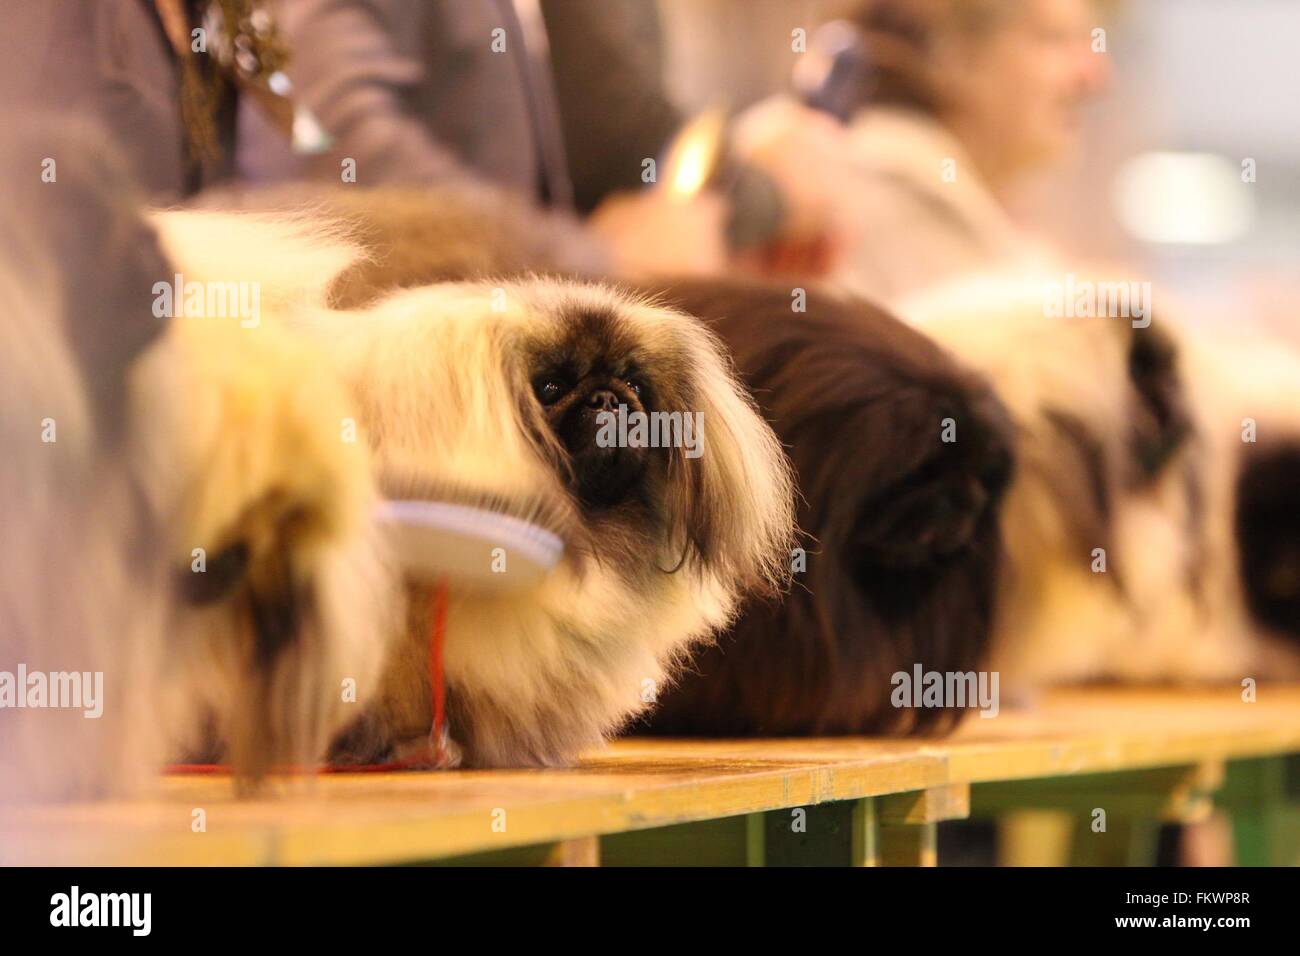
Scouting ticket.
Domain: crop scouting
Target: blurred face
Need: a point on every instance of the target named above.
(1020, 86)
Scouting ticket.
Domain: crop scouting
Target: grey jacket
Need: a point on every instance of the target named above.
(414, 92)
(409, 89)
(111, 63)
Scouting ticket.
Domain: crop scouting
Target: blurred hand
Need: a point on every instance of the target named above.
(806, 152)
(813, 256)
(657, 232)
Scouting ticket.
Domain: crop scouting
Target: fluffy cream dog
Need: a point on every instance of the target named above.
(490, 395)
(291, 613)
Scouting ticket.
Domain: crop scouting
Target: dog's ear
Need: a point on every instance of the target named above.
(71, 205)
(1161, 420)
(732, 501)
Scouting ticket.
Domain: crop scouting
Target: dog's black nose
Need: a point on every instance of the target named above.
(603, 400)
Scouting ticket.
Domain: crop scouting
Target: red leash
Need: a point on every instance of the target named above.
(437, 641)
(437, 684)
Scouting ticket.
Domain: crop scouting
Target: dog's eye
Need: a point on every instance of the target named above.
(549, 391)
(635, 386)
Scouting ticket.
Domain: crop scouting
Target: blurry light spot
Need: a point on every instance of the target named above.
(694, 153)
(1184, 199)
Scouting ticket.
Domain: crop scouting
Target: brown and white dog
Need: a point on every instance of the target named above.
(1136, 507)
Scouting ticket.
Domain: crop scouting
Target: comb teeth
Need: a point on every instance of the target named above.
(436, 540)
(547, 514)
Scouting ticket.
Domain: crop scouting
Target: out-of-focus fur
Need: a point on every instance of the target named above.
(297, 597)
(171, 436)
(659, 549)
(1246, 392)
(406, 237)
(1114, 455)
(901, 530)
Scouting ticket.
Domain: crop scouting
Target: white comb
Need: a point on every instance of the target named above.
(470, 547)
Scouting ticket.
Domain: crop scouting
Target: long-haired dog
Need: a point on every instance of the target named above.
(292, 610)
(184, 530)
(495, 396)
(902, 458)
(1122, 559)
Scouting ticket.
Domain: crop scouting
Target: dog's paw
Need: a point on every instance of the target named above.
(368, 741)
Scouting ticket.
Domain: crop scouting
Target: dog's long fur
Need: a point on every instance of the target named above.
(172, 436)
(901, 534)
(444, 386)
(445, 393)
(1115, 456)
(275, 494)
(407, 237)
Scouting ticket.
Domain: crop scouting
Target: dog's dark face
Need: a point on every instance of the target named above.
(581, 382)
(592, 371)
(579, 388)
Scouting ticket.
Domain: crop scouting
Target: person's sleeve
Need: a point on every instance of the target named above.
(346, 68)
(607, 59)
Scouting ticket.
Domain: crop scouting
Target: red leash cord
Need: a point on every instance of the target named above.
(438, 641)
(438, 689)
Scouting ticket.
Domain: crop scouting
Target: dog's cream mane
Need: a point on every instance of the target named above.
(434, 377)
(294, 258)
(436, 393)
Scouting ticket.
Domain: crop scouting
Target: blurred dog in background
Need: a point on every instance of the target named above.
(1247, 401)
(900, 522)
(1123, 560)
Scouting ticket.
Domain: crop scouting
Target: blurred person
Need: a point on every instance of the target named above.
(960, 100)
(166, 78)
(562, 102)
(556, 102)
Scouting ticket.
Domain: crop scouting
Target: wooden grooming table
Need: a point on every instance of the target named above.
(1138, 755)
